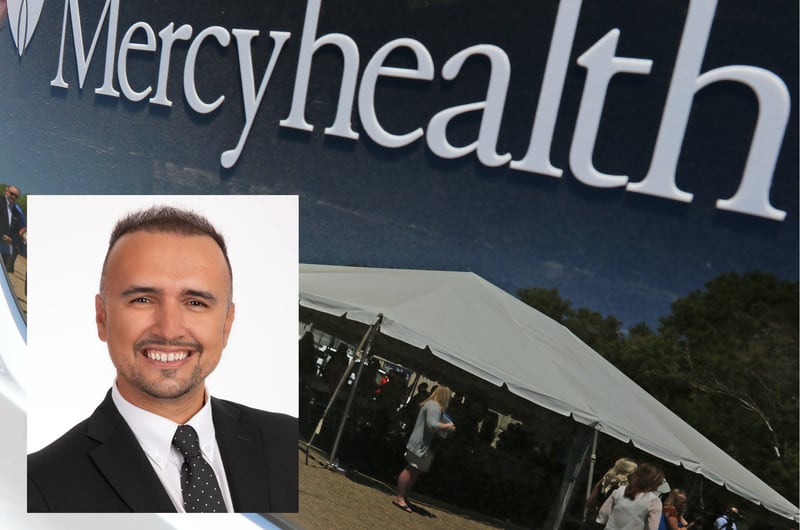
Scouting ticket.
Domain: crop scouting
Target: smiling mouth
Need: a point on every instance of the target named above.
(166, 357)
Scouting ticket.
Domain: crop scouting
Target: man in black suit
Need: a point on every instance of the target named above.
(165, 311)
(11, 225)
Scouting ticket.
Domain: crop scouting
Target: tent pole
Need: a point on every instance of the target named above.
(364, 358)
(592, 462)
(407, 399)
(341, 382)
(577, 457)
(414, 384)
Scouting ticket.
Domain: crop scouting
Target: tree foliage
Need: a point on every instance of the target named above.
(738, 340)
(548, 301)
(725, 359)
(601, 333)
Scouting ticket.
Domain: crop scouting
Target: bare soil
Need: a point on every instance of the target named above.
(331, 499)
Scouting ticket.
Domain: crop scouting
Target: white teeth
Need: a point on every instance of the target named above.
(165, 357)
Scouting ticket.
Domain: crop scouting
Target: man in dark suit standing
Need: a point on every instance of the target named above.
(158, 442)
(11, 224)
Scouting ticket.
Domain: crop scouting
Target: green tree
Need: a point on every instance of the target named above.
(725, 360)
(654, 363)
(603, 334)
(547, 301)
(737, 344)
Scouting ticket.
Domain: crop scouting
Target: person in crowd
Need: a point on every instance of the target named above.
(458, 413)
(12, 226)
(513, 441)
(19, 246)
(307, 374)
(727, 521)
(368, 383)
(419, 454)
(392, 392)
(637, 505)
(336, 367)
(674, 507)
(421, 395)
(612, 479)
(308, 356)
(489, 423)
(412, 407)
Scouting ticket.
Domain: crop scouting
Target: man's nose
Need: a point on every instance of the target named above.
(169, 321)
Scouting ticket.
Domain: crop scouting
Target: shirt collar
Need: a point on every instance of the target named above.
(154, 433)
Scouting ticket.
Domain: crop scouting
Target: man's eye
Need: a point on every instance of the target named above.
(197, 303)
(140, 300)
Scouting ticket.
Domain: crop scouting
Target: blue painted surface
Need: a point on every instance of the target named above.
(609, 250)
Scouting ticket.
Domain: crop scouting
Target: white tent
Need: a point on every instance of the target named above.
(472, 324)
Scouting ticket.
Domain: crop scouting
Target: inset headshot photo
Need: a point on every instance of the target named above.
(162, 335)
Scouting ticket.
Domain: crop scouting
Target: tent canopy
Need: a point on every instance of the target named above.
(470, 323)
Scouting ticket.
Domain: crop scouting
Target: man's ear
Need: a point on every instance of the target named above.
(226, 329)
(100, 317)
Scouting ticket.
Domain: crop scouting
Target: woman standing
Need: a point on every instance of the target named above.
(614, 478)
(674, 505)
(419, 454)
(635, 506)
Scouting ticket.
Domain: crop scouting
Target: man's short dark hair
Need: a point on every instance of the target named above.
(165, 219)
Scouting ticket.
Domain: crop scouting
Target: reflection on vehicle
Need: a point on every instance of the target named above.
(18, 281)
(14, 243)
(13, 295)
(13, 336)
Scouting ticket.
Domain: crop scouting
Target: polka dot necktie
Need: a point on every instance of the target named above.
(199, 485)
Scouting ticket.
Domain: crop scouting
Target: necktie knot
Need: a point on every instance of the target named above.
(186, 441)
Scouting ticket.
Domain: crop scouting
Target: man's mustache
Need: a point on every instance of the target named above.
(151, 341)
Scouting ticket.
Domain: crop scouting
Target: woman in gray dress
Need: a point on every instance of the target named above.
(419, 455)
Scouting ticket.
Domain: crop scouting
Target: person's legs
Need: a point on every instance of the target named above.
(8, 261)
(404, 484)
(11, 261)
(415, 473)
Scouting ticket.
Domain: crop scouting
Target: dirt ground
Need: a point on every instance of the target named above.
(334, 499)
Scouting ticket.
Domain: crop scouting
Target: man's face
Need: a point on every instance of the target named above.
(11, 194)
(165, 313)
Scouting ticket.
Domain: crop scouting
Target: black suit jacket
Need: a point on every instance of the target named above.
(98, 466)
(14, 227)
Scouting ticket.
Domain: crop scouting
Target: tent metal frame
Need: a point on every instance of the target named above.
(363, 348)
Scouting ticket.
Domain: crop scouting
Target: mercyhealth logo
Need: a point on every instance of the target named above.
(23, 16)
(357, 86)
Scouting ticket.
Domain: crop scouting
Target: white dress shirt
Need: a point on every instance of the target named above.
(154, 434)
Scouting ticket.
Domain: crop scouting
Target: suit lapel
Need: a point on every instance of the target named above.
(243, 456)
(123, 463)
